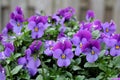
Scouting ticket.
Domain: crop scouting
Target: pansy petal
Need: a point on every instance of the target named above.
(60, 62)
(31, 25)
(66, 62)
(7, 52)
(78, 51)
(91, 58)
(67, 44)
(40, 34)
(22, 61)
(37, 62)
(2, 76)
(76, 40)
(34, 35)
(113, 52)
(48, 52)
(57, 53)
(69, 53)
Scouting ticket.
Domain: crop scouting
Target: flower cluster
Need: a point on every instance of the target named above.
(43, 41)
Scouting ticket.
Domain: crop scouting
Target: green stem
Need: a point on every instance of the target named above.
(43, 73)
(11, 78)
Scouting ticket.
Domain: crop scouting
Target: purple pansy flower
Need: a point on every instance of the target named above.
(8, 50)
(2, 73)
(80, 39)
(115, 50)
(63, 52)
(49, 46)
(35, 45)
(56, 19)
(85, 26)
(37, 24)
(18, 10)
(8, 28)
(67, 13)
(90, 15)
(91, 50)
(17, 23)
(109, 28)
(30, 63)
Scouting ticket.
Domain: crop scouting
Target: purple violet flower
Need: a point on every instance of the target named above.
(2, 73)
(90, 15)
(30, 63)
(1, 37)
(17, 23)
(80, 39)
(9, 49)
(35, 45)
(115, 50)
(91, 50)
(37, 24)
(109, 28)
(49, 47)
(67, 13)
(63, 52)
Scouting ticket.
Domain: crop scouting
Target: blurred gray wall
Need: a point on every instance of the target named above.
(105, 10)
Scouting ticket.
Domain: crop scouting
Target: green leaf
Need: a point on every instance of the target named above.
(87, 64)
(96, 34)
(16, 69)
(102, 53)
(76, 68)
(116, 61)
(79, 77)
(1, 48)
(39, 77)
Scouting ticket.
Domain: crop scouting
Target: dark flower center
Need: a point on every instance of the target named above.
(51, 47)
(92, 52)
(117, 47)
(18, 24)
(36, 29)
(63, 56)
(107, 30)
(81, 45)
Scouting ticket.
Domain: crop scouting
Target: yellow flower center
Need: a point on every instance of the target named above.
(81, 45)
(18, 24)
(117, 47)
(92, 52)
(36, 29)
(107, 30)
(63, 56)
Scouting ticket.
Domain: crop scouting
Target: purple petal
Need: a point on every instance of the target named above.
(40, 34)
(78, 51)
(67, 44)
(91, 58)
(57, 53)
(31, 25)
(41, 26)
(60, 62)
(2, 76)
(2, 55)
(17, 29)
(48, 52)
(22, 61)
(34, 35)
(113, 52)
(8, 52)
(32, 67)
(58, 45)
(12, 22)
(66, 62)
(69, 53)
(76, 40)
(37, 62)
